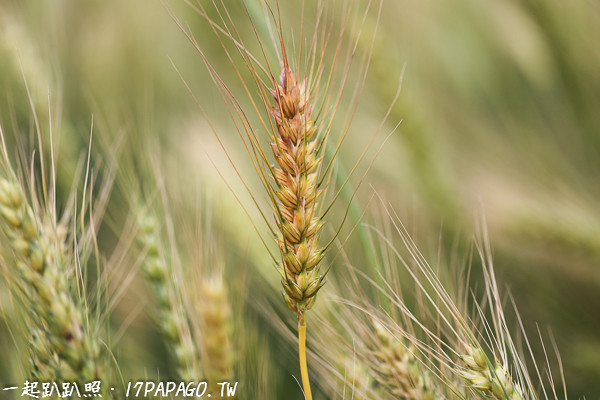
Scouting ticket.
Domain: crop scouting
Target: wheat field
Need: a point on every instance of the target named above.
(321, 199)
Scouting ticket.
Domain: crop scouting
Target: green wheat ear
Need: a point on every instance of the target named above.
(61, 346)
(215, 315)
(491, 379)
(172, 319)
(398, 368)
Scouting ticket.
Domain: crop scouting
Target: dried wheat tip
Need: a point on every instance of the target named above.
(296, 174)
(217, 329)
(60, 346)
(495, 383)
(171, 318)
(398, 370)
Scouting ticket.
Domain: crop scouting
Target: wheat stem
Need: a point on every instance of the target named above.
(302, 357)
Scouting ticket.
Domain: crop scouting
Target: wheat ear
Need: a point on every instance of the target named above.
(296, 152)
(215, 313)
(59, 335)
(490, 379)
(172, 321)
(398, 369)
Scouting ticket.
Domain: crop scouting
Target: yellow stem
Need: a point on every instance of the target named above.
(302, 356)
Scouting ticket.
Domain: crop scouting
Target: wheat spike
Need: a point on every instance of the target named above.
(215, 313)
(171, 320)
(398, 369)
(295, 150)
(61, 347)
(492, 381)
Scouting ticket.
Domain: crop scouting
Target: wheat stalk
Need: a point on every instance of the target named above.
(295, 150)
(297, 139)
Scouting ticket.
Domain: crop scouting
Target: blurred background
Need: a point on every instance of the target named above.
(499, 114)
